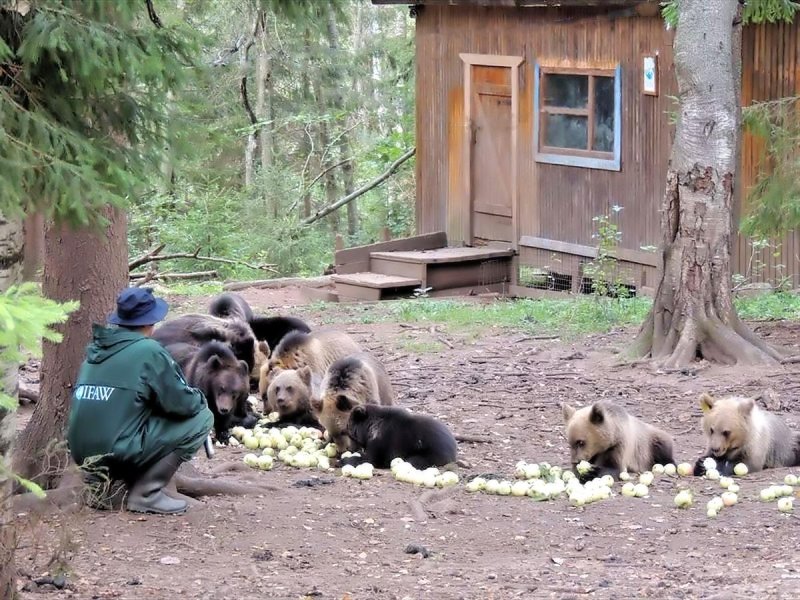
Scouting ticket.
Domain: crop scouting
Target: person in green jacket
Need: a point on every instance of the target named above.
(133, 415)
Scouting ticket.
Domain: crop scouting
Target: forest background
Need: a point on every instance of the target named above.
(287, 114)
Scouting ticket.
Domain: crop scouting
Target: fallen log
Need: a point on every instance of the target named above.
(280, 282)
(144, 277)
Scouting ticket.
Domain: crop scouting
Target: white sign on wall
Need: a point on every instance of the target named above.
(650, 75)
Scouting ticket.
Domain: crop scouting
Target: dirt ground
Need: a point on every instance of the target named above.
(347, 538)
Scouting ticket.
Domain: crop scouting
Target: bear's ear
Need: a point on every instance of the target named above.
(263, 347)
(746, 406)
(244, 368)
(706, 402)
(316, 405)
(305, 375)
(214, 363)
(597, 415)
(358, 414)
(567, 411)
(343, 403)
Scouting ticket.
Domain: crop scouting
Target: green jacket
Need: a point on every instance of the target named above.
(128, 384)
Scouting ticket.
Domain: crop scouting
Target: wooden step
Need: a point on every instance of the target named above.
(444, 255)
(376, 280)
(372, 286)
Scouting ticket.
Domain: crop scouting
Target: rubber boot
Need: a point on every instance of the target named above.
(147, 493)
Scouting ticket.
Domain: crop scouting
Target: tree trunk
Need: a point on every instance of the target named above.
(11, 244)
(250, 145)
(264, 112)
(34, 247)
(693, 314)
(79, 265)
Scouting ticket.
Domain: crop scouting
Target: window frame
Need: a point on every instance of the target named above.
(572, 157)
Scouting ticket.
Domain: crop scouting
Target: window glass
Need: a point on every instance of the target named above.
(603, 114)
(566, 131)
(566, 91)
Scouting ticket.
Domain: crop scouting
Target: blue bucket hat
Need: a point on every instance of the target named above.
(137, 307)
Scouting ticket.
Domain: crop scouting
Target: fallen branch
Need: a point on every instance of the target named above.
(360, 191)
(307, 188)
(145, 258)
(167, 276)
(155, 256)
(790, 360)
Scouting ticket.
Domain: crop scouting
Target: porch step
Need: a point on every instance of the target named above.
(373, 286)
(444, 255)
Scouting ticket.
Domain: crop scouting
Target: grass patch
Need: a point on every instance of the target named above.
(769, 307)
(570, 316)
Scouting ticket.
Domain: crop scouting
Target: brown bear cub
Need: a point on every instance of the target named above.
(609, 438)
(223, 379)
(383, 433)
(316, 350)
(737, 431)
(197, 329)
(349, 382)
(289, 395)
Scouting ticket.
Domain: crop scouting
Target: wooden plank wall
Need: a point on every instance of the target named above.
(770, 70)
(559, 202)
(556, 202)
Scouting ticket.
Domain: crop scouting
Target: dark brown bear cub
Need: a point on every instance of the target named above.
(224, 380)
(230, 306)
(383, 433)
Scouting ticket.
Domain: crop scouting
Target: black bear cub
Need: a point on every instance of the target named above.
(383, 433)
(224, 380)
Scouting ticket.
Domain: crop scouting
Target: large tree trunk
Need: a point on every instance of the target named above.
(693, 314)
(79, 265)
(34, 247)
(11, 244)
(264, 112)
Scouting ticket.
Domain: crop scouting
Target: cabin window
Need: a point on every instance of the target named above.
(577, 117)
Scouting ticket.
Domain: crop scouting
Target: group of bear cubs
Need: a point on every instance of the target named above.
(320, 378)
(324, 379)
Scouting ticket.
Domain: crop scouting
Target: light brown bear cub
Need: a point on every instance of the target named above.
(316, 350)
(349, 382)
(737, 431)
(289, 395)
(612, 440)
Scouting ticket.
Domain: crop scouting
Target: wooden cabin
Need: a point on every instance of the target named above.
(536, 116)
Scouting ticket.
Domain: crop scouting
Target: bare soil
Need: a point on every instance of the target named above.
(348, 538)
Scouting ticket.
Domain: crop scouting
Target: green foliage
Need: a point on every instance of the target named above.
(84, 118)
(370, 100)
(754, 11)
(769, 307)
(25, 319)
(774, 200)
(603, 270)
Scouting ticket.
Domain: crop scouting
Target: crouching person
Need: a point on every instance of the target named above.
(133, 415)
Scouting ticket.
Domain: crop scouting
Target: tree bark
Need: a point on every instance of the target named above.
(337, 103)
(34, 247)
(79, 265)
(265, 114)
(11, 245)
(693, 314)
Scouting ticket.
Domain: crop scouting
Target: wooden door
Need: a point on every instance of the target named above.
(490, 164)
(491, 96)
